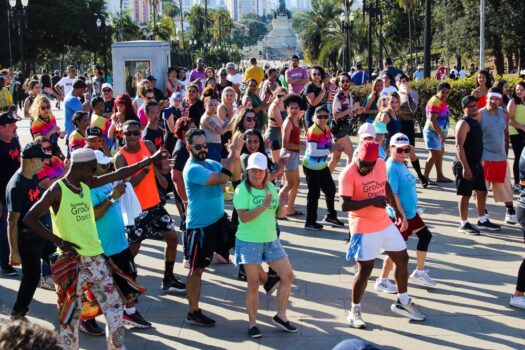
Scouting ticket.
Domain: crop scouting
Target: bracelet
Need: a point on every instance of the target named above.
(111, 199)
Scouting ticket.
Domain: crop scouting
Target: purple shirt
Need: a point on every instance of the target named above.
(196, 74)
(296, 73)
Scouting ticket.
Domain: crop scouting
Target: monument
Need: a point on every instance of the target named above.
(281, 42)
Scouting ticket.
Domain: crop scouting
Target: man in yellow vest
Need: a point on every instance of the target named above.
(75, 233)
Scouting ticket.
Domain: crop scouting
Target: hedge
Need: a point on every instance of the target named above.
(426, 88)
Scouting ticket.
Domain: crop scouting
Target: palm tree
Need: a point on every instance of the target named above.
(409, 6)
(221, 25)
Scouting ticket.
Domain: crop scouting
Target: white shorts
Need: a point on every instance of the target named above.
(368, 246)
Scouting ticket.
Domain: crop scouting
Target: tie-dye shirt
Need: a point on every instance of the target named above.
(40, 127)
(76, 140)
(318, 144)
(436, 105)
(102, 123)
(51, 171)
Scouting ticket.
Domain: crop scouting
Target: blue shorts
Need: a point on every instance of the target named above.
(215, 151)
(432, 140)
(256, 253)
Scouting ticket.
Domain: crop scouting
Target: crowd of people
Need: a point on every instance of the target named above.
(78, 201)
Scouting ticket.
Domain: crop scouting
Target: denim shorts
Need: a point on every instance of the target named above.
(432, 140)
(256, 253)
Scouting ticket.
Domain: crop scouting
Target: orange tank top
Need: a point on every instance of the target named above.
(146, 190)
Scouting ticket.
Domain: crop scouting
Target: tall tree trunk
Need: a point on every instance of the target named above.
(510, 61)
(521, 57)
(458, 62)
(497, 52)
(181, 24)
(411, 48)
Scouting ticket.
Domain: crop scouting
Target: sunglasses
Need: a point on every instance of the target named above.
(280, 96)
(106, 90)
(322, 116)
(403, 150)
(250, 119)
(252, 86)
(200, 147)
(252, 142)
(224, 75)
(44, 108)
(149, 97)
(132, 133)
(316, 74)
(345, 81)
(47, 149)
(363, 164)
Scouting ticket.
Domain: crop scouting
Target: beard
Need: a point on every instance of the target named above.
(201, 156)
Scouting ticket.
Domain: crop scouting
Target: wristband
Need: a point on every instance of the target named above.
(227, 172)
(111, 199)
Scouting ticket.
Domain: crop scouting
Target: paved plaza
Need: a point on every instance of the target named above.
(468, 309)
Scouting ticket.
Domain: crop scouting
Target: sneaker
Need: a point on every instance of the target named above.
(516, 188)
(241, 276)
(488, 226)
(271, 284)
(334, 221)
(468, 229)
(385, 286)
(286, 326)
(175, 285)
(313, 226)
(47, 283)
(518, 302)
(92, 328)
(136, 320)
(409, 310)
(354, 318)
(186, 263)
(9, 271)
(510, 217)
(199, 319)
(254, 332)
(422, 279)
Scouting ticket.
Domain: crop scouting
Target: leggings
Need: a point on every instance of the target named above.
(520, 284)
(517, 142)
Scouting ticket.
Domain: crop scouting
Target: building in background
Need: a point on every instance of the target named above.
(240, 8)
(140, 11)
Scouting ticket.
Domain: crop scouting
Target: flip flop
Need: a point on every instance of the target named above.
(295, 213)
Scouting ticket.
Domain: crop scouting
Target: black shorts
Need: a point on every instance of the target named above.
(201, 243)
(151, 223)
(125, 261)
(409, 129)
(465, 187)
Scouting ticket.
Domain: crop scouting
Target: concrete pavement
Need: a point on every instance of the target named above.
(468, 309)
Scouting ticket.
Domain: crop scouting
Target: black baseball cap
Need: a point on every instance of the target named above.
(467, 99)
(321, 108)
(35, 150)
(94, 131)
(151, 77)
(7, 118)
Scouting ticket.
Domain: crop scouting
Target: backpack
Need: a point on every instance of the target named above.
(304, 101)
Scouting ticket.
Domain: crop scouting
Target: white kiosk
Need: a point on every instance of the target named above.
(135, 60)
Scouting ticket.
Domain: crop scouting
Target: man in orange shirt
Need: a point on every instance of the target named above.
(364, 191)
(154, 221)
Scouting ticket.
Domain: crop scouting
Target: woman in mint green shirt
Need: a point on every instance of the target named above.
(256, 201)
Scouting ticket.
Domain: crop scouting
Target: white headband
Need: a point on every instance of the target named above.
(494, 94)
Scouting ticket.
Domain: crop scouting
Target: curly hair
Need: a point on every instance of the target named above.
(21, 335)
(182, 124)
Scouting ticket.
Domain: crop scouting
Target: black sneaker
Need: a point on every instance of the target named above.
(271, 284)
(197, 318)
(175, 285)
(9, 271)
(313, 226)
(92, 328)
(487, 225)
(136, 320)
(286, 326)
(468, 229)
(254, 332)
(333, 221)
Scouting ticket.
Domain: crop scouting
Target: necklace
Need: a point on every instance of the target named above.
(78, 189)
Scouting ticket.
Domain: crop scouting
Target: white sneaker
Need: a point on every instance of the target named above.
(385, 286)
(511, 218)
(354, 318)
(422, 279)
(409, 310)
(518, 302)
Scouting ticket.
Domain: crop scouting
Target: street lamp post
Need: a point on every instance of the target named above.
(106, 23)
(482, 34)
(344, 26)
(19, 14)
(346, 18)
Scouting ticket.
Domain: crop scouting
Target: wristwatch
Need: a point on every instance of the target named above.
(111, 199)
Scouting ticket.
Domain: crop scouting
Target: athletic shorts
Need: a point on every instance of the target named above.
(432, 140)
(414, 224)
(125, 261)
(256, 253)
(275, 135)
(466, 187)
(368, 246)
(409, 129)
(293, 162)
(502, 191)
(201, 243)
(151, 223)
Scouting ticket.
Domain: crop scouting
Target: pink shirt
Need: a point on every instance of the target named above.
(143, 118)
(296, 73)
(352, 184)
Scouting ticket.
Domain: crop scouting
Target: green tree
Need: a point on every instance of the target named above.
(221, 26)
(257, 29)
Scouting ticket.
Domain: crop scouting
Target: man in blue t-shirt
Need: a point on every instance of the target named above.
(72, 104)
(203, 180)
(360, 77)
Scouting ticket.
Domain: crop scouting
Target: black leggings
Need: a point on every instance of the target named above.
(319, 180)
(520, 284)
(517, 142)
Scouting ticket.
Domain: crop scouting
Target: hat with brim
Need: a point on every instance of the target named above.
(102, 159)
(35, 150)
(257, 160)
(7, 118)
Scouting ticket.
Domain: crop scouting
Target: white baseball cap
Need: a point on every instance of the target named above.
(102, 158)
(399, 140)
(83, 155)
(257, 160)
(366, 130)
(106, 85)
